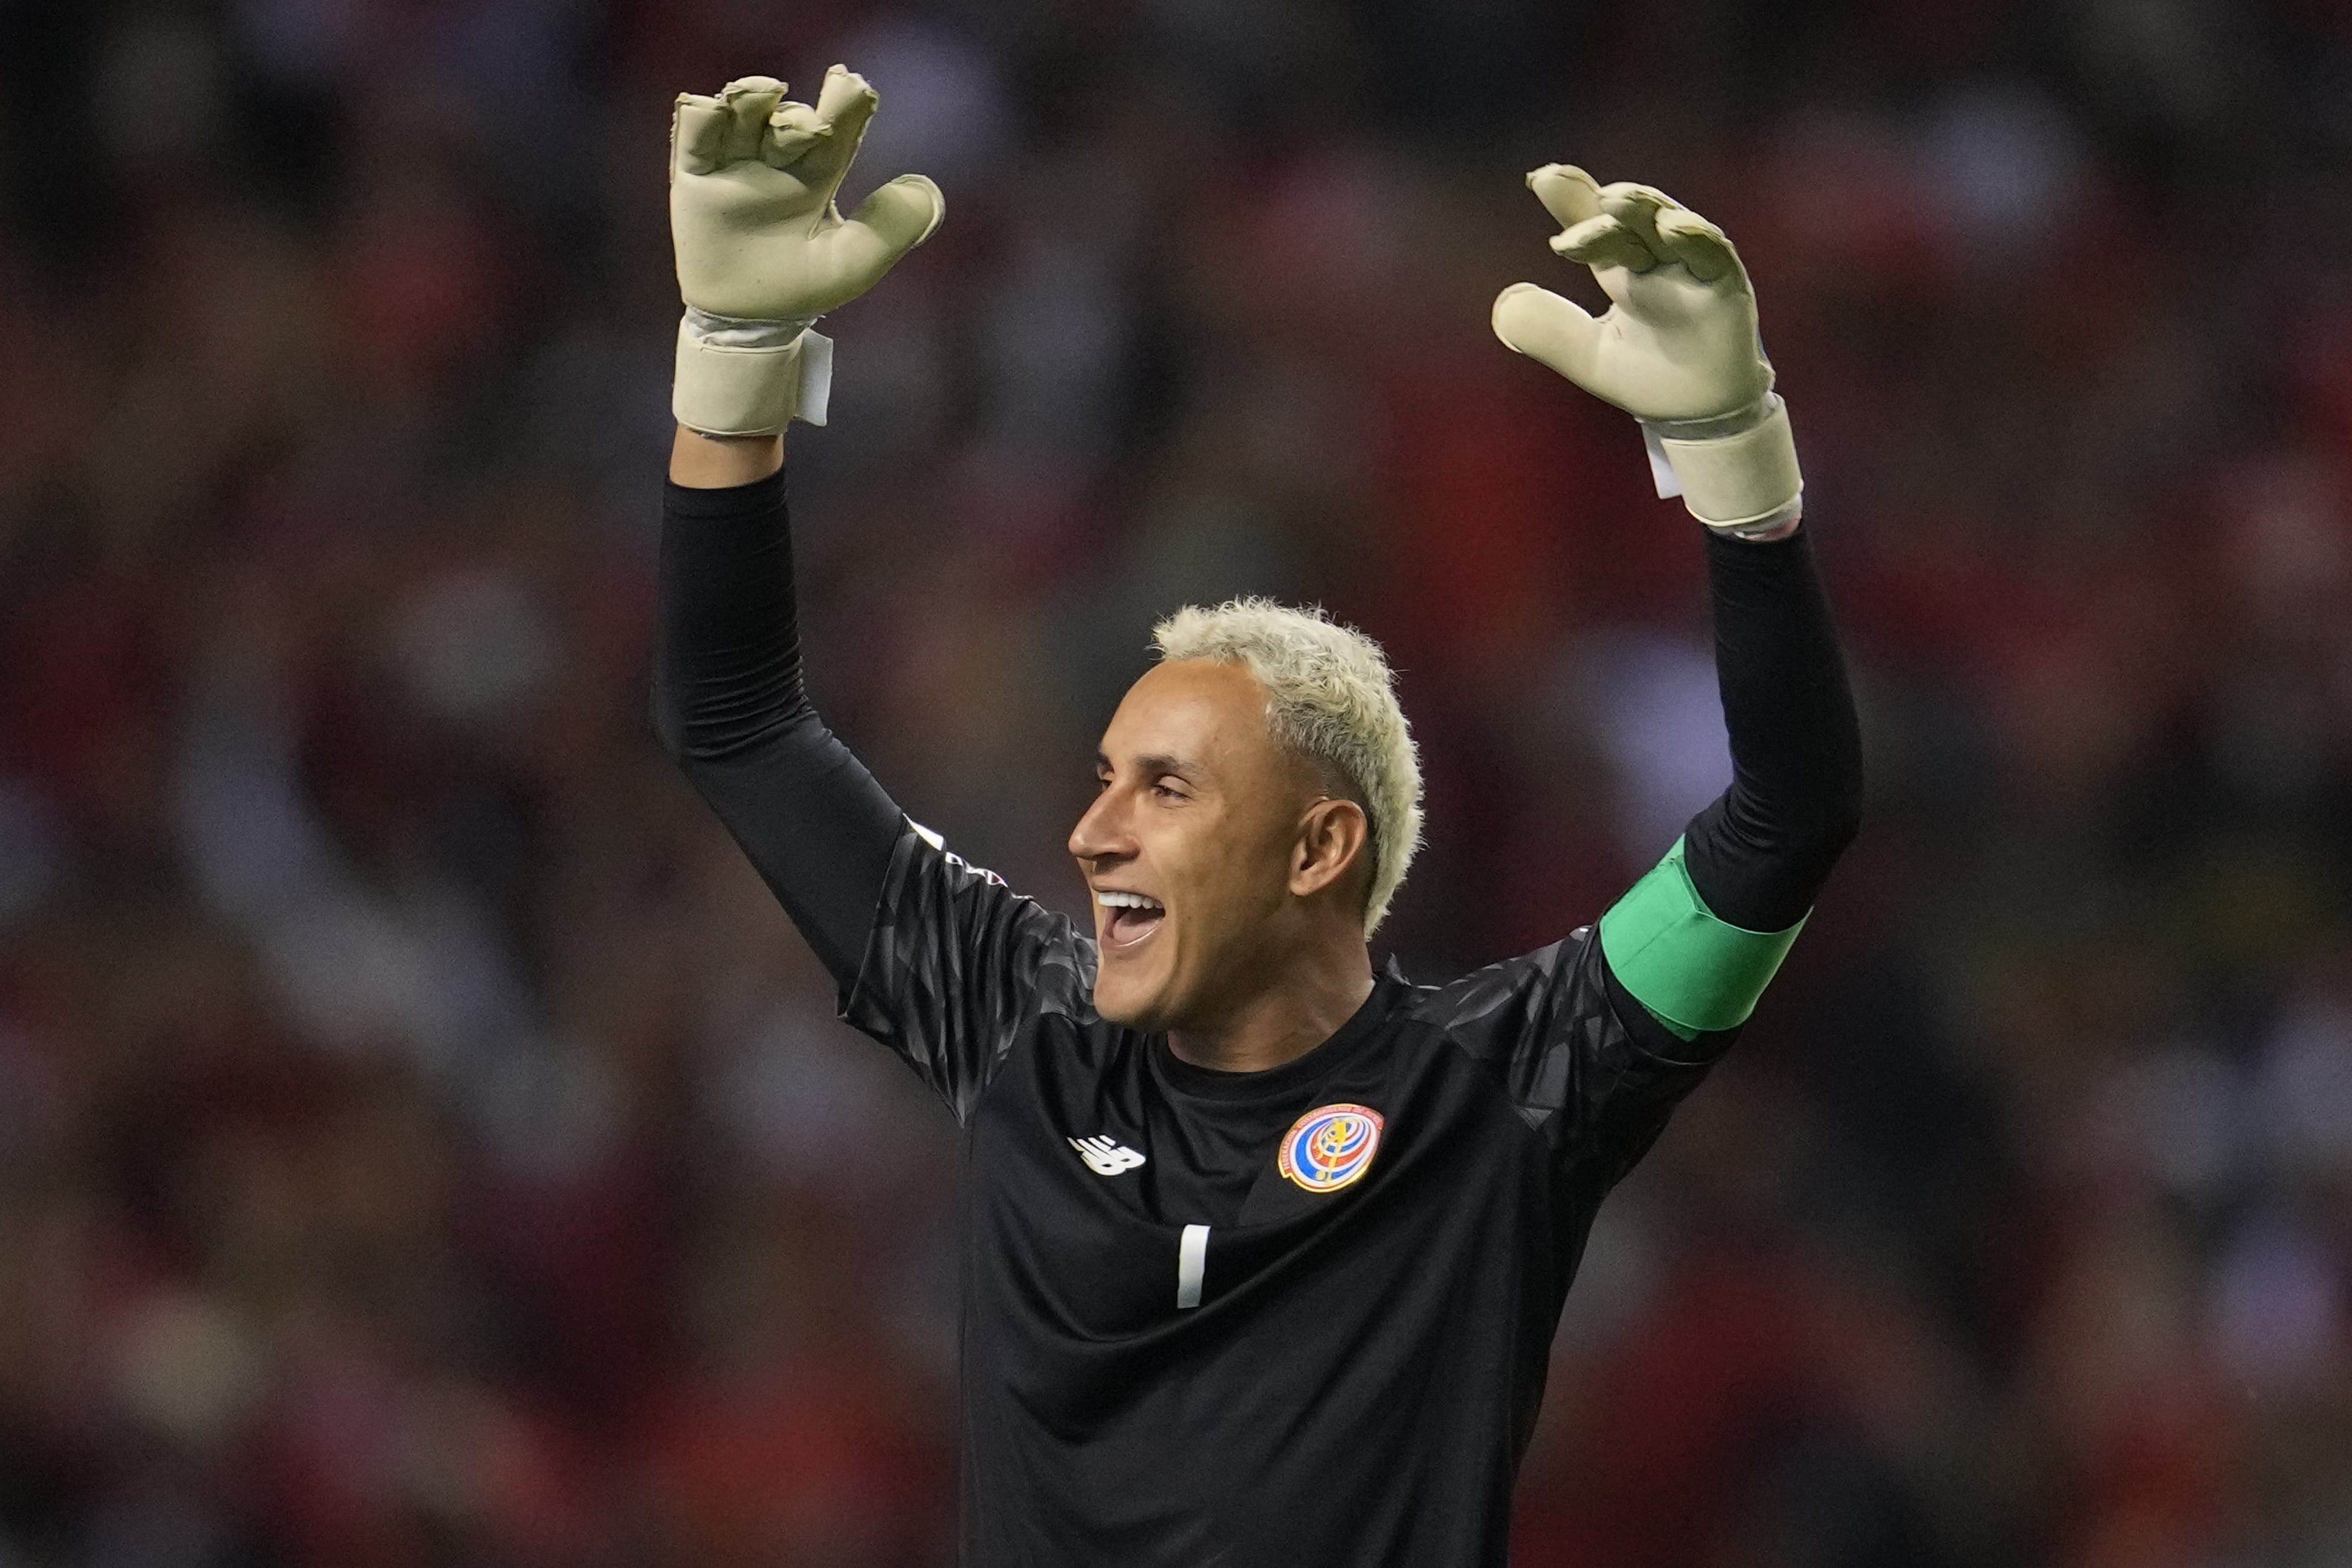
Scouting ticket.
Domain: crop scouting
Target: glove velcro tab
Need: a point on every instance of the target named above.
(1739, 480)
(744, 378)
(1691, 969)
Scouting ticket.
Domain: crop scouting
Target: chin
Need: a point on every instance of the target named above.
(1117, 1005)
(1130, 1005)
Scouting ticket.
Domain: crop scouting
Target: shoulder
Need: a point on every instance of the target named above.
(943, 922)
(1503, 992)
(1561, 992)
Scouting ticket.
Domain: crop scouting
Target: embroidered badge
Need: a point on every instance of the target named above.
(1329, 1147)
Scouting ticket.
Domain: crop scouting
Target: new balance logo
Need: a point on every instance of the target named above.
(1105, 1158)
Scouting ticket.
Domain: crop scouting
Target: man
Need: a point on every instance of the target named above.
(1264, 1250)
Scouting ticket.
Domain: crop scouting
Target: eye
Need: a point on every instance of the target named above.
(1166, 791)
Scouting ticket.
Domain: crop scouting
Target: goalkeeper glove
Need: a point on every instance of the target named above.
(1677, 348)
(763, 252)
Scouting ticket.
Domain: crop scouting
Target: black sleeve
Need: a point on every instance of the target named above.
(1760, 854)
(1586, 1065)
(728, 704)
(936, 958)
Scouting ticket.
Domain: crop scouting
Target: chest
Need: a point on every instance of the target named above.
(1107, 1204)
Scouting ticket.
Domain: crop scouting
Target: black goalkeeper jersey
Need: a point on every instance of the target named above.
(1294, 1317)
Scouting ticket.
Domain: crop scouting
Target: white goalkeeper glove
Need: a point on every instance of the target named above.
(1677, 349)
(763, 252)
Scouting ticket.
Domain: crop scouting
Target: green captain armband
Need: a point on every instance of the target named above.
(1693, 971)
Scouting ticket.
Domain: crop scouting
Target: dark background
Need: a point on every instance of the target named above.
(422, 1142)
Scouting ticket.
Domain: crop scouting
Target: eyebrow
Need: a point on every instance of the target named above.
(1157, 762)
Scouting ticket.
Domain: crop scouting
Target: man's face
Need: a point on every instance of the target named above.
(1188, 847)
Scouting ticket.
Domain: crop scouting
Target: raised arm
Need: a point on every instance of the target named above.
(761, 254)
(1697, 939)
(728, 704)
(936, 958)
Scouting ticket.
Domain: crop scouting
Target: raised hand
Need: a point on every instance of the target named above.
(1679, 343)
(1677, 347)
(752, 180)
(762, 250)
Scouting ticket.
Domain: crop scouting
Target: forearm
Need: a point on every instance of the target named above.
(1698, 939)
(729, 706)
(1760, 854)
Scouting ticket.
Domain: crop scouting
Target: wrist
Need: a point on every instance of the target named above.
(1737, 473)
(737, 376)
(1771, 528)
(702, 462)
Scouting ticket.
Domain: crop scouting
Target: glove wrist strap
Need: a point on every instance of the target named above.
(744, 332)
(1738, 473)
(736, 376)
(1716, 427)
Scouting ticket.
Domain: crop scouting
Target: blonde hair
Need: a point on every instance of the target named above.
(1330, 698)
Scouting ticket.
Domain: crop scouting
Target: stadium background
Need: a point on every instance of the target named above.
(421, 1140)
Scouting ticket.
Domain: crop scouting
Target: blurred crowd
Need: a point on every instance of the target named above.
(422, 1141)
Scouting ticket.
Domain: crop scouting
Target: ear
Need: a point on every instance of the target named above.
(1333, 837)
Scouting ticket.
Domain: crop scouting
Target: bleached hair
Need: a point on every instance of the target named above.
(1330, 697)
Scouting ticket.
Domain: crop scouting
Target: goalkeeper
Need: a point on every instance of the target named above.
(1263, 1248)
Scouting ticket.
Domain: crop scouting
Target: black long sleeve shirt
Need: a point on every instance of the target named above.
(1299, 1316)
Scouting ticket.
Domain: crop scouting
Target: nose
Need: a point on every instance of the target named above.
(1102, 831)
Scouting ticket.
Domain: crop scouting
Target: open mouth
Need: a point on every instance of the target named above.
(1129, 918)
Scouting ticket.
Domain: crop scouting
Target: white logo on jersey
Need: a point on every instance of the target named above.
(1105, 1158)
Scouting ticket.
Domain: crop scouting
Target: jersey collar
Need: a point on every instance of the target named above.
(1389, 987)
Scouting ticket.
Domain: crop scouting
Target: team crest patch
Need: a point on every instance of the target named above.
(1329, 1147)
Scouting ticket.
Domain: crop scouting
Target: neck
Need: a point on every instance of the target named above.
(1314, 994)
